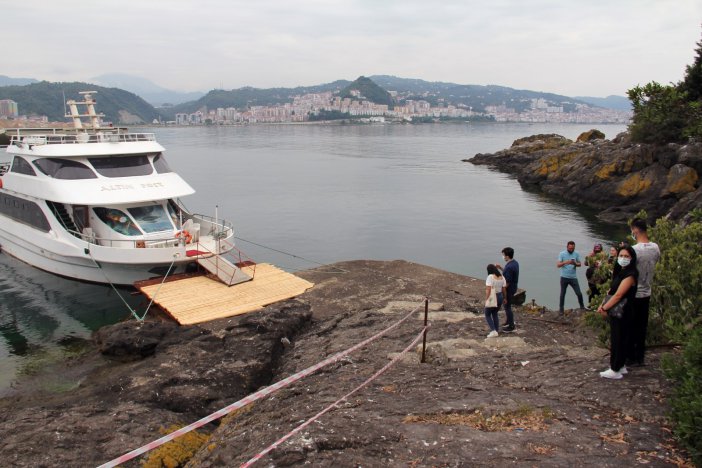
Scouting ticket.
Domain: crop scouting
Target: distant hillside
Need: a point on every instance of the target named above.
(7, 81)
(151, 92)
(248, 96)
(45, 98)
(610, 102)
(369, 90)
(475, 96)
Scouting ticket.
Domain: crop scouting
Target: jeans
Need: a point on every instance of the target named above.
(491, 317)
(637, 334)
(573, 282)
(508, 308)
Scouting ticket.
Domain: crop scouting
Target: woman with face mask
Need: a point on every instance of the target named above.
(624, 282)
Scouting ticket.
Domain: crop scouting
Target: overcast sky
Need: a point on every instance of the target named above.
(569, 47)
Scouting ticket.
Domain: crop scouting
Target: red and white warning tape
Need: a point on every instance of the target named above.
(264, 392)
(335, 404)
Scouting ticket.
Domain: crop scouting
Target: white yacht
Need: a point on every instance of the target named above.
(101, 204)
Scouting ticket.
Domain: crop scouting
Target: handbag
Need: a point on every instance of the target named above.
(616, 311)
(492, 299)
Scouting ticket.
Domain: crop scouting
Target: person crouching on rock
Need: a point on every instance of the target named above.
(495, 292)
(624, 283)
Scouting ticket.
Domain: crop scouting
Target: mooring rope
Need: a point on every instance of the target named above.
(132, 311)
(339, 270)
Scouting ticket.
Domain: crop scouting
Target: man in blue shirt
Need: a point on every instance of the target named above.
(568, 261)
(511, 274)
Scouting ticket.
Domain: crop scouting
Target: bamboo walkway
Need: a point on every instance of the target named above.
(196, 299)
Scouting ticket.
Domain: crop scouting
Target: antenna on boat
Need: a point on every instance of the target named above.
(89, 103)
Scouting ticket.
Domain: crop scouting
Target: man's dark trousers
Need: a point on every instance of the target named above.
(573, 282)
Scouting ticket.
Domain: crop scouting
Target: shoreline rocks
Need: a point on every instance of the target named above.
(616, 176)
(530, 396)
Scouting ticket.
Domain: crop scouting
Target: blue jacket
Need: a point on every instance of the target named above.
(511, 274)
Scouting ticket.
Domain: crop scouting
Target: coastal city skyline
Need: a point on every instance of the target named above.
(594, 49)
(312, 104)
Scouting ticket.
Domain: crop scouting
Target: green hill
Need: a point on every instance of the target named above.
(45, 98)
(248, 96)
(369, 90)
(475, 96)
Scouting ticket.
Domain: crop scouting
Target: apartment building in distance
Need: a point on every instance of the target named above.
(8, 109)
(304, 106)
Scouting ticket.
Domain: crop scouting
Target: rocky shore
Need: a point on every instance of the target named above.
(616, 177)
(532, 397)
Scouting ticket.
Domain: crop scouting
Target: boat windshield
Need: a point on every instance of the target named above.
(152, 218)
(122, 166)
(117, 220)
(20, 166)
(64, 168)
(161, 165)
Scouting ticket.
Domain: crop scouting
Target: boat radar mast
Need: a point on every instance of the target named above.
(89, 104)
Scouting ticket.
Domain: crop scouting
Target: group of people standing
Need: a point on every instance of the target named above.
(626, 304)
(500, 287)
(631, 292)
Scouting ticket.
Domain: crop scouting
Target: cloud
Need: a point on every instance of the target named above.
(598, 47)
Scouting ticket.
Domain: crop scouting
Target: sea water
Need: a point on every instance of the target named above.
(327, 193)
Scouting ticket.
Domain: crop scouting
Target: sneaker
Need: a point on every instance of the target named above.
(610, 374)
(493, 334)
(508, 328)
(623, 370)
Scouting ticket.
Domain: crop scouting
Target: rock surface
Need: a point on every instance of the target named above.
(615, 176)
(529, 398)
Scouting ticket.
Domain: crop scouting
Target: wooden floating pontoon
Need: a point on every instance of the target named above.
(195, 299)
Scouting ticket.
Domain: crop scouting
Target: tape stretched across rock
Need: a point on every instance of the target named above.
(387, 366)
(264, 392)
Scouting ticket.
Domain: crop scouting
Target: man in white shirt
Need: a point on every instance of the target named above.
(647, 255)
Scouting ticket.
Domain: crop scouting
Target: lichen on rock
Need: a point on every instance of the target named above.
(590, 135)
(617, 177)
(681, 180)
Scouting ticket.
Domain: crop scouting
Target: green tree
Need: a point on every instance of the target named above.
(660, 114)
(669, 113)
(692, 84)
(675, 299)
(685, 370)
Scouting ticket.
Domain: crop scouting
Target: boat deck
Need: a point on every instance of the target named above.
(195, 299)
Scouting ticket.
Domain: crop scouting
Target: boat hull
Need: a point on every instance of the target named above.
(70, 261)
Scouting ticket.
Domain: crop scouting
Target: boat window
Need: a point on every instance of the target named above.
(64, 168)
(122, 166)
(175, 215)
(118, 220)
(24, 211)
(21, 166)
(151, 218)
(161, 165)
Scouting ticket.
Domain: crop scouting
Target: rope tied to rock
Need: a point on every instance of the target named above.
(264, 392)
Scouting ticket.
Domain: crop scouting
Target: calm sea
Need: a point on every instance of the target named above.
(329, 193)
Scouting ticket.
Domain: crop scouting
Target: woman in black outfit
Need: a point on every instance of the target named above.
(624, 282)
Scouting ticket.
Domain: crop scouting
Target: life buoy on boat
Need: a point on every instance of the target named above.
(186, 235)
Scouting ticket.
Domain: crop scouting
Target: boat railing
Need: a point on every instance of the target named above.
(140, 243)
(236, 256)
(34, 139)
(217, 228)
(220, 231)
